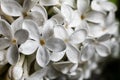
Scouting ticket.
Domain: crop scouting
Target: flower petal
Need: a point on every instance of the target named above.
(82, 5)
(72, 53)
(63, 67)
(11, 7)
(37, 17)
(38, 75)
(59, 18)
(13, 54)
(3, 60)
(49, 2)
(48, 28)
(87, 52)
(21, 36)
(75, 20)
(56, 56)
(29, 47)
(42, 56)
(28, 4)
(104, 37)
(55, 44)
(17, 72)
(5, 28)
(96, 17)
(40, 9)
(96, 5)
(32, 28)
(68, 2)
(96, 30)
(66, 11)
(17, 24)
(4, 43)
(102, 50)
(78, 36)
(110, 6)
(60, 32)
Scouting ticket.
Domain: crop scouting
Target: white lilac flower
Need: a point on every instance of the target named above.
(13, 8)
(85, 14)
(41, 43)
(78, 18)
(95, 46)
(11, 40)
(58, 39)
(75, 38)
(110, 26)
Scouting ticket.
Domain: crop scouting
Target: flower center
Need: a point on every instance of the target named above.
(25, 14)
(82, 16)
(103, 29)
(14, 41)
(42, 42)
(66, 40)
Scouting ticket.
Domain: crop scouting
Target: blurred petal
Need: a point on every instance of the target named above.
(95, 5)
(38, 75)
(63, 67)
(29, 47)
(87, 53)
(11, 7)
(13, 54)
(4, 43)
(110, 17)
(57, 56)
(110, 6)
(21, 36)
(49, 2)
(32, 28)
(75, 20)
(52, 75)
(66, 12)
(28, 4)
(48, 28)
(5, 28)
(17, 24)
(82, 5)
(40, 9)
(102, 50)
(55, 44)
(59, 18)
(68, 2)
(104, 37)
(78, 36)
(37, 17)
(96, 17)
(42, 56)
(17, 72)
(60, 32)
(96, 30)
(72, 53)
(3, 60)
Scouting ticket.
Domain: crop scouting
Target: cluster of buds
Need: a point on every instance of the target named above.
(55, 39)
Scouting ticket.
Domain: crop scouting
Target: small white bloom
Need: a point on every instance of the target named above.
(43, 43)
(12, 40)
(75, 38)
